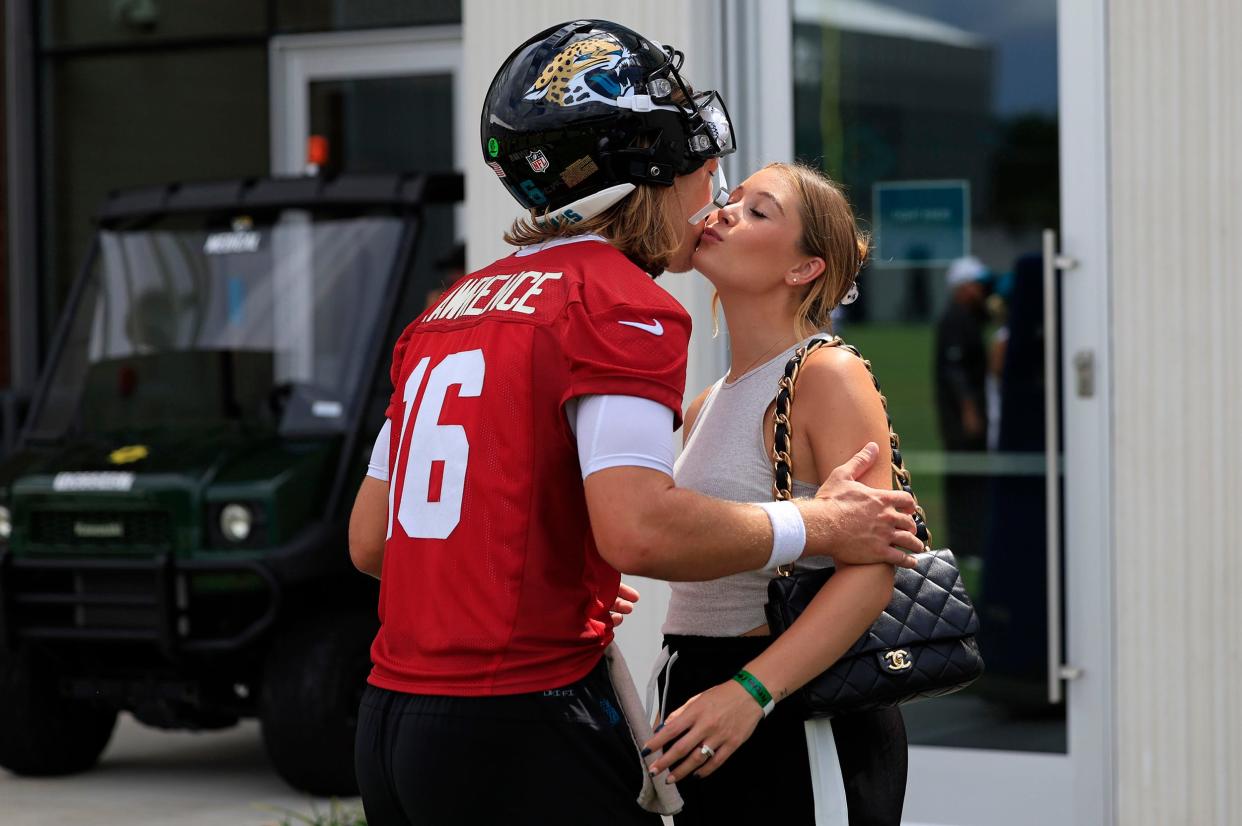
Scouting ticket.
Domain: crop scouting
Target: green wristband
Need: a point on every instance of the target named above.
(757, 690)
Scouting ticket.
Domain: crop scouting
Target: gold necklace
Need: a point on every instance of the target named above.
(759, 360)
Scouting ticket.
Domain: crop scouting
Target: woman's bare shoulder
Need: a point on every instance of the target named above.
(838, 410)
(834, 373)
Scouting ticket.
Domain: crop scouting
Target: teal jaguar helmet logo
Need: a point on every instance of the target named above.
(589, 70)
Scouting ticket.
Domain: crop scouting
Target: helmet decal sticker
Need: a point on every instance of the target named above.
(598, 69)
(579, 171)
(537, 160)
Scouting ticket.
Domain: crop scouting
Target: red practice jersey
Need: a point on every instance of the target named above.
(492, 583)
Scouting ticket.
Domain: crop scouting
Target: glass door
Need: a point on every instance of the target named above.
(941, 119)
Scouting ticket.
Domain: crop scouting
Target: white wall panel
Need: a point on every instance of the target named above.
(1176, 176)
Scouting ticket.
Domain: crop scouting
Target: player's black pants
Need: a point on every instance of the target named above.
(548, 758)
(767, 780)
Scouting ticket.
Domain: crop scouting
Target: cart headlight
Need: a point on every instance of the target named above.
(6, 522)
(236, 522)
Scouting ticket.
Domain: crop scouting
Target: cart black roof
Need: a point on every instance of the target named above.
(397, 191)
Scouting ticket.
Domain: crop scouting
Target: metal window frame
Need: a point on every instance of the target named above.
(22, 197)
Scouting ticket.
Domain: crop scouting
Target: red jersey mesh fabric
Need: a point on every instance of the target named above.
(492, 583)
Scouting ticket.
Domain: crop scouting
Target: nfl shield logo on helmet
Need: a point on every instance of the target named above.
(538, 161)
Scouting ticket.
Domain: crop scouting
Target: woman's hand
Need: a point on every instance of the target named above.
(721, 718)
(624, 604)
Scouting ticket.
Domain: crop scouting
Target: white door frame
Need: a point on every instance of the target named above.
(297, 60)
(1086, 773)
(1082, 47)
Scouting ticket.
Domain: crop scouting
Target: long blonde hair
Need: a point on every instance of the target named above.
(646, 226)
(830, 232)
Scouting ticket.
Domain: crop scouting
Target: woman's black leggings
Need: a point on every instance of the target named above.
(768, 779)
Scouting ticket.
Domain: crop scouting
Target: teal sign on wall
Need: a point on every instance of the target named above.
(920, 223)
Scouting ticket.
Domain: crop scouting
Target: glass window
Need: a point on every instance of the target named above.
(257, 322)
(380, 124)
(940, 119)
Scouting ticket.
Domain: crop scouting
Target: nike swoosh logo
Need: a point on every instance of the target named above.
(655, 328)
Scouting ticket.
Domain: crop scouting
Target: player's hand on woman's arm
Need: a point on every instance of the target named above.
(858, 524)
(646, 526)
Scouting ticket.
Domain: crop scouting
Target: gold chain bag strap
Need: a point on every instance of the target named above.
(923, 644)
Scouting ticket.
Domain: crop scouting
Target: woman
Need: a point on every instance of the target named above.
(527, 456)
(782, 255)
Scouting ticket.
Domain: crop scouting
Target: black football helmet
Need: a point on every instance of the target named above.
(582, 112)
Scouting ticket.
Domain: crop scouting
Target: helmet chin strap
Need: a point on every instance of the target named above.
(718, 200)
(592, 205)
(584, 208)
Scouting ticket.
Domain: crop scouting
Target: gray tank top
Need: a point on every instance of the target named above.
(725, 457)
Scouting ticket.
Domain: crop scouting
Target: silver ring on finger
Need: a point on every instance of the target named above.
(707, 751)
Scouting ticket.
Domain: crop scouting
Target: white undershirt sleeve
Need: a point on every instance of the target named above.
(621, 431)
(377, 468)
(612, 431)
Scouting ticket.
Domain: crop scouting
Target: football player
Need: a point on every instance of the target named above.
(527, 455)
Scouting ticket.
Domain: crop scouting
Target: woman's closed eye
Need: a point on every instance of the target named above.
(757, 213)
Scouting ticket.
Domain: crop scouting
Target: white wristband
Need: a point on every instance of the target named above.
(788, 533)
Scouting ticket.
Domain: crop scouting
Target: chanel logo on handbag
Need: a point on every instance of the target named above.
(897, 660)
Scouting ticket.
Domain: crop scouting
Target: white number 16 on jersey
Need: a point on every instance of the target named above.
(432, 442)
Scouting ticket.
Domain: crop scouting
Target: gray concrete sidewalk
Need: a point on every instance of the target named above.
(149, 778)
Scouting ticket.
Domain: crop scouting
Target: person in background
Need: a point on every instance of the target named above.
(961, 366)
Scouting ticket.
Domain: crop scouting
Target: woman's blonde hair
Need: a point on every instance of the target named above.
(829, 232)
(646, 226)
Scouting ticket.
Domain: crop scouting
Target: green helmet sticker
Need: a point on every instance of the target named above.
(493, 147)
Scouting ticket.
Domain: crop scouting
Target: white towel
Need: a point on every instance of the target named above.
(826, 780)
(656, 795)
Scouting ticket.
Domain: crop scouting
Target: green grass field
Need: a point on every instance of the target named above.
(901, 356)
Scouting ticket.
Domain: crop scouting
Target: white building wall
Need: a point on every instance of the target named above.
(1176, 174)
(490, 31)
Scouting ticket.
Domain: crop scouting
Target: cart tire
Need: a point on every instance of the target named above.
(312, 685)
(43, 734)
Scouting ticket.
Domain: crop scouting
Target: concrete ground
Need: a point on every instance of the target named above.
(157, 778)
(149, 777)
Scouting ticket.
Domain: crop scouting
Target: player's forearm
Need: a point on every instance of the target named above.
(680, 535)
(368, 524)
(366, 554)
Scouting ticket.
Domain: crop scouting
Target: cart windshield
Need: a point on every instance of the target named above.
(258, 323)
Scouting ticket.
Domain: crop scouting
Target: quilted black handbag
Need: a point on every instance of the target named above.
(923, 645)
